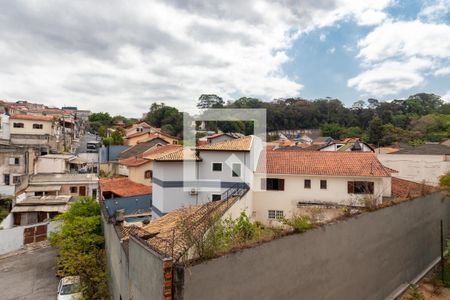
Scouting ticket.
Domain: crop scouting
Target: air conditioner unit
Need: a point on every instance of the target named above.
(193, 192)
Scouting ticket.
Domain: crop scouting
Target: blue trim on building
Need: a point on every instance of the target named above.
(131, 204)
(157, 212)
(199, 183)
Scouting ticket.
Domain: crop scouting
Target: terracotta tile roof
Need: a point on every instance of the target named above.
(179, 155)
(133, 161)
(241, 144)
(322, 163)
(123, 187)
(158, 151)
(404, 189)
(165, 235)
(136, 134)
(31, 117)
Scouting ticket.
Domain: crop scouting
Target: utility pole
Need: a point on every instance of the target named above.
(64, 130)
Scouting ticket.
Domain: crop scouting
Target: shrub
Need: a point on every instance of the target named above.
(444, 181)
(299, 223)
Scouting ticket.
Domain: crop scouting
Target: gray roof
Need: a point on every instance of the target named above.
(141, 148)
(425, 149)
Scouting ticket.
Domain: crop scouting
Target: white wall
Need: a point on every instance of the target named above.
(418, 168)
(47, 127)
(294, 192)
(46, 165)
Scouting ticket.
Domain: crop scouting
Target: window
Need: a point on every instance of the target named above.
(217, 167)
(148, 174)
(216, 197)
(94, 193)
(323, 184)
(272, 184)
(275, 214)
(73, 189)
(16, 179)
(236, 170)
(360, 187)
(37, 126)
(14, 161)
(6, 179)
(307, 183)
(18, 125)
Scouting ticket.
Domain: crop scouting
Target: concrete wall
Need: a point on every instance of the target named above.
(47, 127)
(418, 168)
(137, 174)
(51, 165)
(366, 257)
(145, 273)
(12, 239)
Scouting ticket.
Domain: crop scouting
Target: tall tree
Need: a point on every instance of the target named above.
(375, 131)
(210, 101)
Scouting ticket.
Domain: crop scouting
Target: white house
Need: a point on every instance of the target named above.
(348, 145)
(188, 177)
(285, 180)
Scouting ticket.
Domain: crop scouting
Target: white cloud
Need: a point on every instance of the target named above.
(332, 50)
(398, 55)
(323, 37)
(434, 10)
(120, 57)
(446, 97)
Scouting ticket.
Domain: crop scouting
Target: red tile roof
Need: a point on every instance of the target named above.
(404, 189)
(31, 117)
(124, 187)
(322, 163)
(148, 155)
(240, 144)
(136, 134)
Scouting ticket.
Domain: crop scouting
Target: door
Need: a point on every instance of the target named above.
(82, 191)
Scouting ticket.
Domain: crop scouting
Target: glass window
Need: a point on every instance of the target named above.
(217, 167)
(37, 126)
(18, 125)
(360, 187)
(273, 184)
(275, 214)
(148, 174)
(236, 170)
(323, 184)
(73, 189)
(216, 197)
(307, 183)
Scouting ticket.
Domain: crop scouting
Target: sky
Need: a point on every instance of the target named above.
(121, 56)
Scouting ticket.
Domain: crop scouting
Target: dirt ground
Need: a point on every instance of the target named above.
(428, 289)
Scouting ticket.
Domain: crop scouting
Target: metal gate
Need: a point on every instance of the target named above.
(34, 234)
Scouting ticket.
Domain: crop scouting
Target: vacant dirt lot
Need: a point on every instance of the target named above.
(29, 275)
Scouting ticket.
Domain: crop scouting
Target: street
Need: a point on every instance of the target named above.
(30, 275)
(83, 141)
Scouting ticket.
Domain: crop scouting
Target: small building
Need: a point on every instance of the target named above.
(142, 137)
(58, 163)
(76, 185)
(222, 137)
(37, 209)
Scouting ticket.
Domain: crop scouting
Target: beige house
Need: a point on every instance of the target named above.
(29, 124)
(58, 163)
(141, 137)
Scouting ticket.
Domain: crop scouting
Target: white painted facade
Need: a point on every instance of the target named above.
(419, 168)
(337, 146)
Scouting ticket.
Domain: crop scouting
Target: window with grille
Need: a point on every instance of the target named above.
(323, 184)
(275, 214)
(18, 125)
(148, 174)
(73, 189)
(37, 126)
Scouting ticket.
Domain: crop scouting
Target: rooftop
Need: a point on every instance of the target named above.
(322, 163)
(425, 149)
(123, 187)
(45, 200)
(31, 117)
(404, 189)
(181, 154)
(65, 178)
(240, 144)
(140, 148)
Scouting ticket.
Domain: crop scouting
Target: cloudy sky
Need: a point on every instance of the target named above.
(120, 56)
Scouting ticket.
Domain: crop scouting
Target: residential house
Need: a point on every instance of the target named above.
(75, 185)
(140, 166)
(136, 151)
(189, 177)
(15, 162)
(141, 137)
(58, 163)
(222, 137)
(138, 128)
(323, 140)
(349, 144)
(423, 163)
(285, 180)
(37, 209)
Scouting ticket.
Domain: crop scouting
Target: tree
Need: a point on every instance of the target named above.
(375, 131)
(96, 120)
(332, 129)
(81, 247)
(210, 101)
(117, 136)
(161, 115)
(102, 131)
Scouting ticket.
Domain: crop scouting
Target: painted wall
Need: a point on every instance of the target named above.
(294, 191)
(137, 174)
(47, 127)
(368, 257)
(418, 168)
(51, 165)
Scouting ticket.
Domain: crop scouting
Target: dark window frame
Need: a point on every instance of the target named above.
(233, 172)
(360, 187)
(323, 184)
(215, 164)
(38, 126)
(272, 184)
(18, 125)
(307, 183)
(216, 197)
(148, 174)
(73, 188)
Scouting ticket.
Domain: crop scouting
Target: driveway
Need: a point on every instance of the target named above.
(30, 275)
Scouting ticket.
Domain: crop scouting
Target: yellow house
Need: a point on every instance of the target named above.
(29, 124)
(140, 167)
